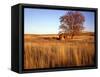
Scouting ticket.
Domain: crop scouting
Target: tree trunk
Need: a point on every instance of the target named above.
(72, 36)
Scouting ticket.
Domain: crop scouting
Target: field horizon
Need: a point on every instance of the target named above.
(47, 51)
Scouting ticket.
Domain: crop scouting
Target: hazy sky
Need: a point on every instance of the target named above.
(46, 21)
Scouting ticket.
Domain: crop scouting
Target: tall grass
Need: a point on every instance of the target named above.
(66, 54)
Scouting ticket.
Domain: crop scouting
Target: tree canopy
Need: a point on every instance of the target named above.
(72, 23)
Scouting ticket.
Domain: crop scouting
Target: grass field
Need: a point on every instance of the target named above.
(46, 51)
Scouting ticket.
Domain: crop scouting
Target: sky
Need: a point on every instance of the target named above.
(46, 21)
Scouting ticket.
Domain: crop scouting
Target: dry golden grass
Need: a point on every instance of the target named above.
(46, 51)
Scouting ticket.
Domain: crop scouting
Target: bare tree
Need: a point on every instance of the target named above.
(72, 23)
